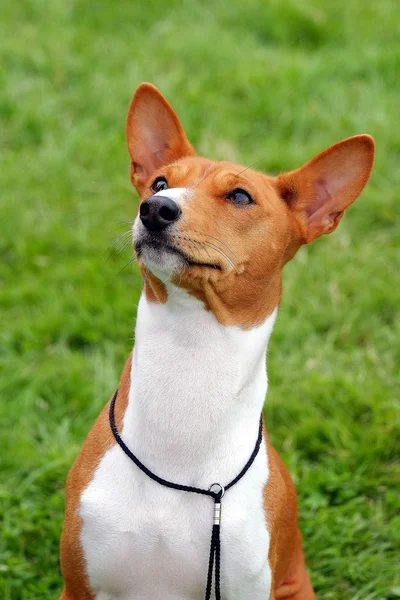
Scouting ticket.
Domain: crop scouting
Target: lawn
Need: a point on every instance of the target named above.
(277, 81)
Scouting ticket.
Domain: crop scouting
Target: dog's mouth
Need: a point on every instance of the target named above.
(162, 253)
(193, 263)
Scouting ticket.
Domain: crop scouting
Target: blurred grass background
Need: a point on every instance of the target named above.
(277, 81)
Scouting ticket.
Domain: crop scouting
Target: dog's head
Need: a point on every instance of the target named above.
(223, 232)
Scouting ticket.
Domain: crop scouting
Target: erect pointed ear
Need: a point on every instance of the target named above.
(320, 191)
(154, 134)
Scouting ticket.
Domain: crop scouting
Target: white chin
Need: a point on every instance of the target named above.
(161, 262)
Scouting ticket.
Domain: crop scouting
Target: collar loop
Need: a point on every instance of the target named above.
(217, 495)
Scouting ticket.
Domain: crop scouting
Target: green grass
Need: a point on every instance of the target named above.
(277, 81)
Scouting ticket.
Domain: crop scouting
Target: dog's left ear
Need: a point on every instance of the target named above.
(154, 134)
(319, 192)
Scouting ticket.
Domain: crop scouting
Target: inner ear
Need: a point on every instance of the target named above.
(321, 195)
(154, 134)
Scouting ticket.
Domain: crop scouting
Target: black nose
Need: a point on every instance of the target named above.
(157, 212)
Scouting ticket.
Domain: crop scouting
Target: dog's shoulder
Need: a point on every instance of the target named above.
(99, 440)
(280, 506)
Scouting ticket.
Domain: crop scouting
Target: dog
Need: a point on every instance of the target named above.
(211, 240)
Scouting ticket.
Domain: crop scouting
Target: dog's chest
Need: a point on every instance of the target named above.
(142, 541)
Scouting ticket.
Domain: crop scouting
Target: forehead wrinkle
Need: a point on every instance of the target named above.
(252, 180)
(199, 179)
(229, 176)
(183, 169)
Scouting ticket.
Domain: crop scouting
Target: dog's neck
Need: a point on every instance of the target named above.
(197, 391)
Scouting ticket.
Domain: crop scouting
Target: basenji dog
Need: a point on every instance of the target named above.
(211, 240)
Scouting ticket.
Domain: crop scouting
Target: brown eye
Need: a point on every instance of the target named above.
(239, 198)
(159, 185)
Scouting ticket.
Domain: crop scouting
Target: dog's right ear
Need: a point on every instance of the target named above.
(154, 134)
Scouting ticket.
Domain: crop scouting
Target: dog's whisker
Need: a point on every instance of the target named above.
(133, 260)
(113, 246)
(249, 167)
(216, 239)
(128, 243)
(118, 224)
(221, 252)
(202, 247)
(211, 245)
(129, 221)
(119, 238)
(208, 254)
(205, 243)
(109, 256)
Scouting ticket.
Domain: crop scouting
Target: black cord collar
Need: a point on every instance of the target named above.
(217, 495)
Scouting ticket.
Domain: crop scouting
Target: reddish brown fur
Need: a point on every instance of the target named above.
(257, 241)
(248, 288)
(289, 575)
(154, 289)
(99, 440)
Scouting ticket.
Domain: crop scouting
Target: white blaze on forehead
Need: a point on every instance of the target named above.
(179, 195)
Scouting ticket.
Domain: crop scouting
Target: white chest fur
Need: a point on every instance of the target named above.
(197, 390)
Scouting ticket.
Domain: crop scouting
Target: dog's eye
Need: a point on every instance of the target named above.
(159, 185)
(239, 198)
